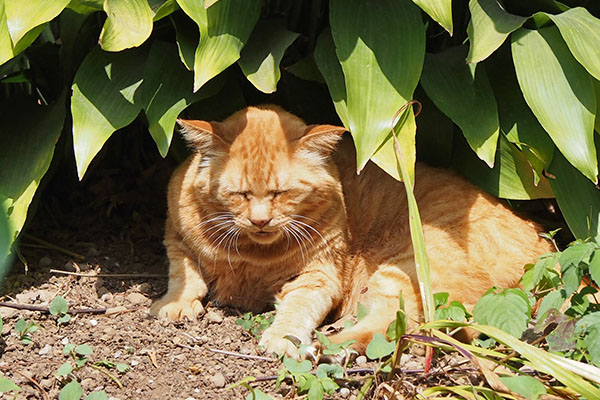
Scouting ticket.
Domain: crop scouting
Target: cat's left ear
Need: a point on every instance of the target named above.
(321, 138)
(203, 136)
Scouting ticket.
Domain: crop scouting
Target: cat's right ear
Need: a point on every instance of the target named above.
(202, 136)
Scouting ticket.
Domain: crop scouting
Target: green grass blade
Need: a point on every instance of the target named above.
(581, 31)
(559, 92)
(489, 27)
(463, 93)
(380, 46)
(106, 97)
(224, 30)
(262, 54)
(439, 10)
(129, 24)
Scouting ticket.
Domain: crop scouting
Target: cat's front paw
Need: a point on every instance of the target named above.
(167, 308)
(274, 342)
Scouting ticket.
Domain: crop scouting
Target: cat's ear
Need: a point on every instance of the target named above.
(202, 136)
(321, 138)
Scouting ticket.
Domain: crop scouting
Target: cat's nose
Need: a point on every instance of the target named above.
(260, 222)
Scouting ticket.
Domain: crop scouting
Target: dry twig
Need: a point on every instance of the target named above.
(116, 276)
(46, 309)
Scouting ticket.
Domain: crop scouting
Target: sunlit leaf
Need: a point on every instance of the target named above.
(59, 306)
(526, 386)
(559, 92)
(577, 197)
(262, 54)
(24, 16)
(439, 10)
(101, 395)
(463, 93)
(297, 367)
(6, 385)
(30, 133)
(6, 48)
(86, 6)
(379, 347)
(224, 29)
(167, 91)
(129, 24)
(380, 47)
(71, 391)
(508, 310)
(162, 8)
(581, 32)
(489, 27)
(106, 97)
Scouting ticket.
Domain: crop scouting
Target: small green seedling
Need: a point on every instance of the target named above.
(314, 385)
(121, 367)
(59, 307)
(255, 324)
(6, 385)
(24, 330)
(454, 311)
(255, 394)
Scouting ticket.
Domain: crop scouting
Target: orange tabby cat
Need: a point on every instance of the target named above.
(266, 210)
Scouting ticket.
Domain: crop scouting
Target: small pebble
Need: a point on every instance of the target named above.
(117, 354)
(418, 350)
(136, 298)
(64, 340)
(106, 297)
(360, 360)
(218, 380)
(93, 322)
(214, 317)
(344, 392)
(46, 382)
(87, 383)
(7, 312)
(133, 363)
(45, 350)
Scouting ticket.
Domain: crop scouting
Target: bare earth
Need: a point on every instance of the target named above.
(116, 223)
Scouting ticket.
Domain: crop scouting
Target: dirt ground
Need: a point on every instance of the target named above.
(112, 223)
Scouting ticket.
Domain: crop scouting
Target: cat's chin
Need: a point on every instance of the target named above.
(264, 237)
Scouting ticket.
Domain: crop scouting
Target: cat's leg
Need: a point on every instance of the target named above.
(384, 288)
(186, 285)
(303, 304)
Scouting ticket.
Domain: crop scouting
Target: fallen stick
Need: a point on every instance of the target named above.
(84, 275)
(228, 353)
(46, 309)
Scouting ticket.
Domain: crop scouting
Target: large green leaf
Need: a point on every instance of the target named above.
(224, 29)
(167, 91)
(86, 6)
(330, 68)
(162, 8)
(24, 20)
(511, 178)
(129, 24)
(380, 47)
(106, 97)
(577, 197)
(28, 134)
(260, 58)
(581, 31)
(508, 310)
(463, 93)
(439, 10)
(490, 25)
(559, 92)
(6, 50)
(516, 119)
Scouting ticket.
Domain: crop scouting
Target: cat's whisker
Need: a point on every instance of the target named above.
(229, 242)
(222, 225)
(312, 229)
(214, 219)
(299, 239)
(305, 234)
(237, 236)
(287, 235)
(304, 217)
(295, 236)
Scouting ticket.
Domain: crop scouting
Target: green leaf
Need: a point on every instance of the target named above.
(594, 266)
(64, 319)
(71, 391)
(380, 47)
(489, 27)
(129, 24)
(526, 386)
(440, 299)
(24, 20)
(439, 10)
(592, 341)
(559, 92)
(262, 54)
(59, 306)
(69, 347)
(581, 32)
(257, 394)
(64, 370)
(361, 311)
(508, 310)
(463, 93)
(86, 6)
(30, 133)
(575, 255)
(224, 29)
(122, 368)
(101, 395)
(106, 97)
(84, 350)
(577, 197)
(333, 370)
(187, 37)
(6, 385)
(296, 367)
(553, 300)
(167, 90)
(379, 347)
(21, 326)
(316, 391)
(6, 48)
(512, 176)
(162, 8)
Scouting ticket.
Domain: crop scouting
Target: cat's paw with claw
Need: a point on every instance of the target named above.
(174, 310)
(273, 342)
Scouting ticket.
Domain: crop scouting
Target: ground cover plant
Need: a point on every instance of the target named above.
(508, 95)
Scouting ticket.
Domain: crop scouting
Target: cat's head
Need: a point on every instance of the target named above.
(267, 170)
